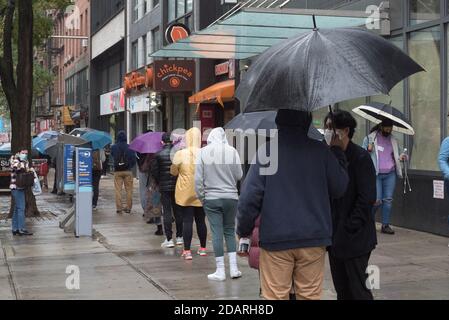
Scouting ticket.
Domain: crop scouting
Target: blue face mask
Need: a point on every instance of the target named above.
(23, 157)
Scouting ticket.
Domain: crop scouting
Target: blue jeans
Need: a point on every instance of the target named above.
(386, 184)
(18, 218)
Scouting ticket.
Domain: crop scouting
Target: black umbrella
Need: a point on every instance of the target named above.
(265, 120)
(321, 68)
(377, 112)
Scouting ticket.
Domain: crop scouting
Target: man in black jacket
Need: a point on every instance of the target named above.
(354, 227)
(160, 170)
(294, 208)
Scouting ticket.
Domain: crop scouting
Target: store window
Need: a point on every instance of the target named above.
(424, 10)
(424, 48)
(179, 116)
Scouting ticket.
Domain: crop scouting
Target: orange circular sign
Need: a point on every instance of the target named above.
(175, 82)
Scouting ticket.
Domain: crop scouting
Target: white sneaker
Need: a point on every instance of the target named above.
(179, 241)
(220, 274)
(168, 244)
(235, 273)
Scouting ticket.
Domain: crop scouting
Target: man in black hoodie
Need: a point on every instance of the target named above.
(354, 226)
(160, 170)
(294, 207)
(124, 162)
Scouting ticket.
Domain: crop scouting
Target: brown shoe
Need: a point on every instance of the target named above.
(119, 211)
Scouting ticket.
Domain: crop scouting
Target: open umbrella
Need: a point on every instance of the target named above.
(264, 120)
(147, 143)
(51, 147)
(80, 131)
(99, 139)
(48, 135)
(376, 112)
(321, 68)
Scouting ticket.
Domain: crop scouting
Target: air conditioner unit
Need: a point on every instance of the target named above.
(84, 43)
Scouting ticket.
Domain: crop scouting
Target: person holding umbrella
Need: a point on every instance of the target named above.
(354, 228)
(385, 154)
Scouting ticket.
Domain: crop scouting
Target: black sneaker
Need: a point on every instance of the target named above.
(127, 211)
(119, 211)
(387, 229)
(25, 233)
(159, 231)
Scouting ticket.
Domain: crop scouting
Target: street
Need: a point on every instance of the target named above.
(125, 261)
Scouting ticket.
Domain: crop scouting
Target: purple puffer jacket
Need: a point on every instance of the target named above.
(254, 251)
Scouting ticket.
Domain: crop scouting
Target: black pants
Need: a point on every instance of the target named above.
(170, 209)
(188, 214)
(350, 277)
(96, 177)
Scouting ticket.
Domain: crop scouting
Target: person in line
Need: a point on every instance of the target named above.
(160, 171)
(19, 164)
(143, 166)
(294, 208)
(98, 157)
(183, 167)
(124, 162)
(218, 171)
(354, 227)
(384, 150)
(443, 161)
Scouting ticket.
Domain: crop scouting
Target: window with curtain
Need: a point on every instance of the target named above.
(425, 98)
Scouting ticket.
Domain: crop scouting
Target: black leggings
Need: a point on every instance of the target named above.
(188, 213)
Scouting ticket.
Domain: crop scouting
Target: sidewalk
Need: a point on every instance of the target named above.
(125, 261)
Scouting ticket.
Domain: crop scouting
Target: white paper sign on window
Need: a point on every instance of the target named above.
(438, 189)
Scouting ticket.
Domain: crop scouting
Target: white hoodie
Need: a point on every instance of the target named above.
(218, 169)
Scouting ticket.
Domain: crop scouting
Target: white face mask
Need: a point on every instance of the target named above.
(328, 134)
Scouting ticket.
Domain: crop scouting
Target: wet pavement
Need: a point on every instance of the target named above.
(124, 260)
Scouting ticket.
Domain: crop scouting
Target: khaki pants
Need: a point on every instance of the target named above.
(304, 267)
(120, 178)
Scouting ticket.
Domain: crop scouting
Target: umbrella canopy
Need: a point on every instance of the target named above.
(51, 147)
(48, 134)
(99, 139)
(264, 120)
(147, 143)
(321, 68)
(377, 112)
(80, 131)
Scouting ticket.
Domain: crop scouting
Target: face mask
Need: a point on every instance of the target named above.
(386, 134)
(23, 157)
(328, 134)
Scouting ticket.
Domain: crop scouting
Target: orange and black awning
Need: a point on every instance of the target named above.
(218, 93)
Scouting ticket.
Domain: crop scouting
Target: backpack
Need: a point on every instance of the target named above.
(146, 164)
(122, 162)
(96, 161)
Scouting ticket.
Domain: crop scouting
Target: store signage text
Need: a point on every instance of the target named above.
(170, 75)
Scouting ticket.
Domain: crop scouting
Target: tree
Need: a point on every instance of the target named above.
(23, 25)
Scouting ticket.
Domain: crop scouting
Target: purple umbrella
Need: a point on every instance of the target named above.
(147, 143)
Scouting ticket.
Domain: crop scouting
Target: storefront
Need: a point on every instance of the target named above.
(112, 107)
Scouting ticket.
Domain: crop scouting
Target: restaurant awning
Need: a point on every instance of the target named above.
(247, 32)
(218, 93)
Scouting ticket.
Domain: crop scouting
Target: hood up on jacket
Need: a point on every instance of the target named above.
(218, 136)
(121, 137)
(193, 138)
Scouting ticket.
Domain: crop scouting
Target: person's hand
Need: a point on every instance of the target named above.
(403, 157)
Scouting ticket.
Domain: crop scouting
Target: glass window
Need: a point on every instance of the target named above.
(424, 48)
(396, 97)
(134, 55)
(144, 50)
(180, 8)
(171, 10)
(156, 39)
(114, 76)
(189, 5)
(179, 117)
(424, 10)
(155, 3)
(135, 12)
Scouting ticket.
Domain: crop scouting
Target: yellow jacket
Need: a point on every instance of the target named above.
(183, 166)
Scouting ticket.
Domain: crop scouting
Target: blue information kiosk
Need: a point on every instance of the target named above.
(83, 192)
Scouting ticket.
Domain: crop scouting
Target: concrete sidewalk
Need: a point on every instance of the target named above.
(125, 261)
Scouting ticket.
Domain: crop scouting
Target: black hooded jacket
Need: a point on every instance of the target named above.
(160, 170)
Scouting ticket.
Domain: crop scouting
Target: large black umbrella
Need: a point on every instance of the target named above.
(51, 148)
(376, 112)
(321, 68)
(265, 120)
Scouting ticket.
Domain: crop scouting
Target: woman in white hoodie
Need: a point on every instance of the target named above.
(217, 173)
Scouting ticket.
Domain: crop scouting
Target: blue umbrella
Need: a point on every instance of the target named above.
(99, 139)
(48, 135)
